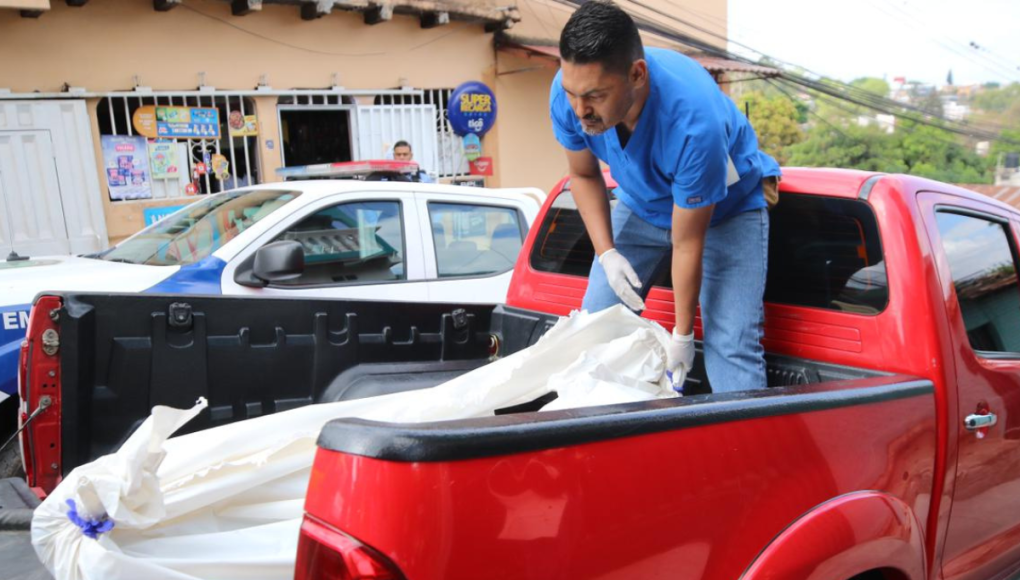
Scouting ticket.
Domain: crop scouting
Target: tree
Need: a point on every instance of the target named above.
(775, 120)
(998, 99)
(873, 85)
(850, 146)
(914, 149)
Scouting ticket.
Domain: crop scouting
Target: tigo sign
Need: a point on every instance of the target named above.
(472, 109)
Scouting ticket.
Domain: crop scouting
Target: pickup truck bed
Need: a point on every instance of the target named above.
(120, 355)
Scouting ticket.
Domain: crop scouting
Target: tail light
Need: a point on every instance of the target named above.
(39, 389)
(325, 553)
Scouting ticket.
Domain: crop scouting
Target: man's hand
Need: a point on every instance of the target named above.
(622, 278)
(680, 357)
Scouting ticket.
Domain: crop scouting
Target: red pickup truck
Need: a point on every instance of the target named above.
(833, 473)
(887, 446)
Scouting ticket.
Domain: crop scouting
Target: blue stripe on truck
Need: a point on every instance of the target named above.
(198, 278)
(13, 322)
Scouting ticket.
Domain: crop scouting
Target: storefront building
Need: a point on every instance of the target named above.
(114, 112)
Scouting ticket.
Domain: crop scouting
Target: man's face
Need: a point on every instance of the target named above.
(402, 153)
(600, 98)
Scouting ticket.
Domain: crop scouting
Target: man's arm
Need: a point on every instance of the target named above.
(589, 190)
(689, 229)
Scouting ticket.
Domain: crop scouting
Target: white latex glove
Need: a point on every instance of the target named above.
(680, 357)
(622, 278)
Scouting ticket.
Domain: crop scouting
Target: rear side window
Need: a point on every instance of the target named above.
(982, 265)
(823, 252)
(474, 240)
(826, 253)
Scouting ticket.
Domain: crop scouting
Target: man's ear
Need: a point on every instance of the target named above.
(639, 72)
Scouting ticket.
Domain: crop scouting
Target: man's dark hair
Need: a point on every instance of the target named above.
(403, 144)
(600, 31)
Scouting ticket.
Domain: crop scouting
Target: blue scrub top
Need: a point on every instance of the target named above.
(679, 149)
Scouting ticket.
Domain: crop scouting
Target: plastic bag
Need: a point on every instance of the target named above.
(226, 503)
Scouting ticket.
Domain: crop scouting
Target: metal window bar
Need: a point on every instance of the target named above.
(247, 159)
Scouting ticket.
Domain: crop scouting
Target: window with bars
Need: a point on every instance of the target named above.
(114, 116)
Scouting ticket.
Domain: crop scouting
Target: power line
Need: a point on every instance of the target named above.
(915, 23)
(1009, 66)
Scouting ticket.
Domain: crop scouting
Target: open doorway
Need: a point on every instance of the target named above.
(316, 134)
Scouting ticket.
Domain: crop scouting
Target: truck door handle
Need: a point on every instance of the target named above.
(975, 422)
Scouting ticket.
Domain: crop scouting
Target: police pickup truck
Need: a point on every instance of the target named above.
(364, 230)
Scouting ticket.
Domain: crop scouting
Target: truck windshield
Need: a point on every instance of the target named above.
(197, 231)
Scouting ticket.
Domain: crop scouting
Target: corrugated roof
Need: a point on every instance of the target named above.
(714, 64)
(1008, 194)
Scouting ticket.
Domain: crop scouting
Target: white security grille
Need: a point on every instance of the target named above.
(449, 147)
(381, 126)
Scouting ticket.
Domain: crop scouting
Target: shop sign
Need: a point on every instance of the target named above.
(242, 125)
(154, 214)
(187, 123)
(472, 147)
(481, 166)
(126, 161)
(472, 109)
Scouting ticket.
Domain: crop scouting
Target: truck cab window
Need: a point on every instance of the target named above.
(823, 252)
(983, 267)
(474, 240)
(350, 243)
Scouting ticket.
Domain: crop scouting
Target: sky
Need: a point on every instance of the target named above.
(847, 39)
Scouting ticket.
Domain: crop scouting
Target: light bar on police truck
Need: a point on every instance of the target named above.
(349, 169)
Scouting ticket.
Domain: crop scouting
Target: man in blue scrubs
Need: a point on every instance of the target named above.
(691, 189)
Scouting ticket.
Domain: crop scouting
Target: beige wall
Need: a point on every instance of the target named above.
(102, 45)
(529, 155)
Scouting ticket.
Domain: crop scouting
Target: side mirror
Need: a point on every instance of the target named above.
(278, 261)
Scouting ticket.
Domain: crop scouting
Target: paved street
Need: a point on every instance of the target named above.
(18, 559)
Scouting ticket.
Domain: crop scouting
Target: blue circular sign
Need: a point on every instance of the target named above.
(472, 109)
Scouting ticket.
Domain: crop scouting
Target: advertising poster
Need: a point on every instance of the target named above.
(242, 125)
(126, 165)
(163, 160)
(187, 123)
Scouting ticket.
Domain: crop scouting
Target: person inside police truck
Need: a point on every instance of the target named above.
(402, 152)
(691, 194)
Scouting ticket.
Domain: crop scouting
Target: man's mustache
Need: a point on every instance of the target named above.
(593, 118)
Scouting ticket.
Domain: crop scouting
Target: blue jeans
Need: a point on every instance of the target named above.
(732, 286)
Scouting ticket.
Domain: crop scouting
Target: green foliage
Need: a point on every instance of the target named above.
(999, 99)
(850, 146)
(873, 85)
(915, 149)
(775, 121)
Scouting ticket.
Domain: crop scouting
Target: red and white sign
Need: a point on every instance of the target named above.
(481, 166)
